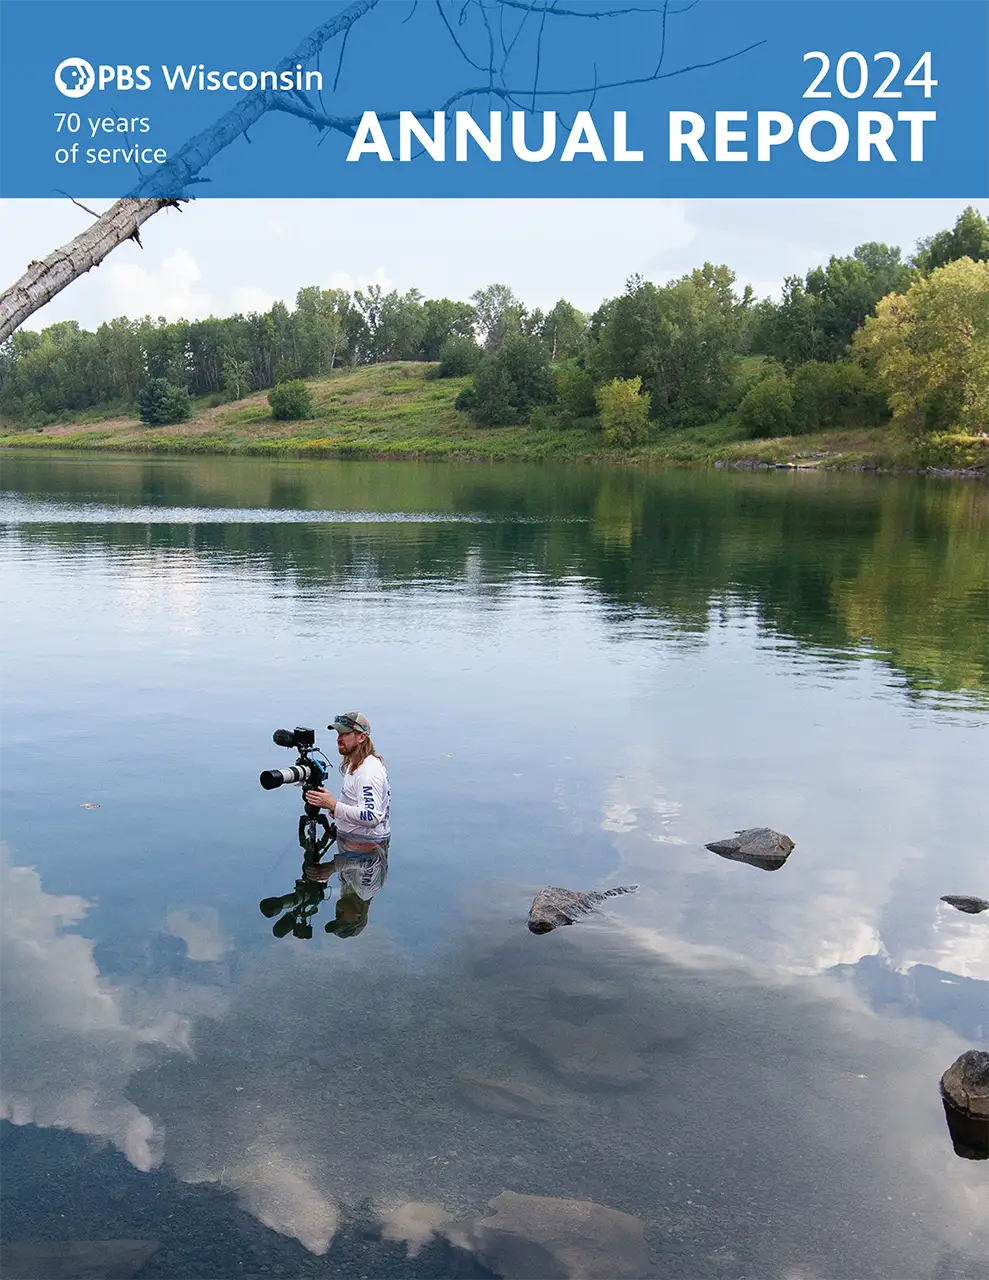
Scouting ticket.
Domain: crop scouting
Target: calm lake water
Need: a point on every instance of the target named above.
(577, 678)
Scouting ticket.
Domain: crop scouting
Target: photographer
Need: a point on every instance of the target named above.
(362, 807)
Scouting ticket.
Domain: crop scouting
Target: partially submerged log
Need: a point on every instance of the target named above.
(552, 907)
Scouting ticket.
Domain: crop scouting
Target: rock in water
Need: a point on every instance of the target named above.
(972, 906)
(758, 846)
(552, 907)
(76, 1259)
(530, 1236)
(965, 1093)
(506, 1097)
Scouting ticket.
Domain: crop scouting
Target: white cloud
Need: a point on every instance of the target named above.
(246, 298)
(168, 290)
(200, 929)
(59, 1011)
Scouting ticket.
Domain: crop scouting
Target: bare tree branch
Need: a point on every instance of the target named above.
(512, 96)
(167, 186)
(577, 13)
(79, 204)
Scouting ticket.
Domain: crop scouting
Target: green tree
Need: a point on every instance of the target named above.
(681, 339)
(758, 330)
(930, 349)
(499, 315)
(574, 390)
(564, 330)
(508, 383)
(624, 410)
(969, 238)
(444, 319)
(161, 403)
(819, 313)
(319, 327)
(385, 326)
(290, 400)
(236, 376)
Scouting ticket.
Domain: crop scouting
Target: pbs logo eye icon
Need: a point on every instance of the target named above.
(74, 77)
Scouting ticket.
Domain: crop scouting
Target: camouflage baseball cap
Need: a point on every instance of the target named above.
(350, 722)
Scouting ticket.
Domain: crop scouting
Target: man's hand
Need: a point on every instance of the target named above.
(321, 798)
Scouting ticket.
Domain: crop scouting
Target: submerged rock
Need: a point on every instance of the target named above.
(758, 846)
(552, 907)
(605, 1052)
(76, 1259)
(965, 1093)
(530, 1236)
(506, 1097)
(972, 906)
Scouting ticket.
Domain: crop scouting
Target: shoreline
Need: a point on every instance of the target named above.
(831, 464)
(400, 412)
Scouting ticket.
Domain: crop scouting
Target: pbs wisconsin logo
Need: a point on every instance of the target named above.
(74, 77)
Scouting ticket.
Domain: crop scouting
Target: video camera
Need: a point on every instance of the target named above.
(311, 768)
(309, 772)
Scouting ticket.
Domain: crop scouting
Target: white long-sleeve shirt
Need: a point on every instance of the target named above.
(364, 801)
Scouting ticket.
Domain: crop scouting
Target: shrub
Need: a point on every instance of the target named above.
(574, 390)
(290, 400)
(541, 418)
(161, 403)
(458, 357)
(835, 395)
(624, 412)
(744, 381)
(952, 452)
(681, 416)
(767, 408)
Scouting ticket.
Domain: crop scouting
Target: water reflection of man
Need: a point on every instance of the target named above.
(363, 869)
(362, 809)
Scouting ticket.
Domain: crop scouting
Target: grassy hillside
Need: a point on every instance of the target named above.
(395, 411)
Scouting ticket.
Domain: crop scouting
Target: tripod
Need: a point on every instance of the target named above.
(313, 845)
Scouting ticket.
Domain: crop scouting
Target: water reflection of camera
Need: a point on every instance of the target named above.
(307, 770)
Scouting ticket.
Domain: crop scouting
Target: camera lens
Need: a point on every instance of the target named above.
(272, 778)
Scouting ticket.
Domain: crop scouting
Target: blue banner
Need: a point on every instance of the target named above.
(494, 98)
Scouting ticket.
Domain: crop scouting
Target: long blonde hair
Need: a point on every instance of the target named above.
(352, 762)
